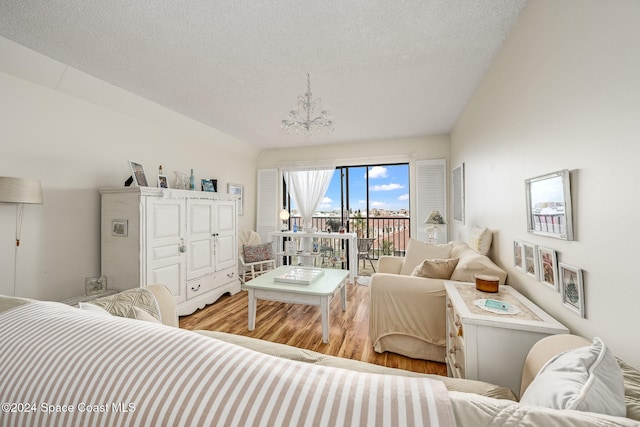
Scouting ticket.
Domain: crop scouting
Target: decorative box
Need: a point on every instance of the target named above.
(486, 283)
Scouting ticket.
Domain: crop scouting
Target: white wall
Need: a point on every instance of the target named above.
(76, 133)
(564, 93)
(406, 150)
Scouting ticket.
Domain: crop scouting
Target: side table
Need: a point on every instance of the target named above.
(492, 347)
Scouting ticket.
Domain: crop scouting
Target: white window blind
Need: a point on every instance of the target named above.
(431, 195)
(268, 205)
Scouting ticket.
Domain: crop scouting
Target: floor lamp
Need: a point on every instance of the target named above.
(19, 191)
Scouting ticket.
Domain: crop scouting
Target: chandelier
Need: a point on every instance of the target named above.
(302, 119)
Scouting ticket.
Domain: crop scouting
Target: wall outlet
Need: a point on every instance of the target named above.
(95, 285)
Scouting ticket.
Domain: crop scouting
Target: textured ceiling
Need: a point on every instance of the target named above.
(384, 69)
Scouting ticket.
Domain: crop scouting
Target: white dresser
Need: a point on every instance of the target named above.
(492, 347)
(186, 240)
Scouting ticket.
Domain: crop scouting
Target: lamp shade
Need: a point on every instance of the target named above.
(434, 218)
(20, 190)
(284, 214)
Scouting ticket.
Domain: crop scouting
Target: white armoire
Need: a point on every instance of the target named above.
(186, 240)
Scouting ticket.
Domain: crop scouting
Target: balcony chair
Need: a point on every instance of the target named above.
(254, 257)
(364, 246)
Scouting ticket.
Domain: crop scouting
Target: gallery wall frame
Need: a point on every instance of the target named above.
(549, 209)
(518, 254)
(572, 288)
(548, 267)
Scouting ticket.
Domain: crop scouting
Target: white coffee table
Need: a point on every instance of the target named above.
(319, 292)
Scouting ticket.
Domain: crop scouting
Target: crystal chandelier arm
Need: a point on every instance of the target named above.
(307, 104)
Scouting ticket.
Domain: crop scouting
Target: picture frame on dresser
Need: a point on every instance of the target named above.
(207, 185)
(572, 288)
(162, 181)
(137, 173)
(548, 267)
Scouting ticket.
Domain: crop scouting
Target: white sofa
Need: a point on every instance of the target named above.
(407, 313)
(133, 362)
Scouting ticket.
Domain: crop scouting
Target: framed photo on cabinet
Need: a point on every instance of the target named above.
(137, 173)
(162, 181)
(207, 185)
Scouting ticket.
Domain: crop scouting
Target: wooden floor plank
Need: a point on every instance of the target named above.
(300, 326)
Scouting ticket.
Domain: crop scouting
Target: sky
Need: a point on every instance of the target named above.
(388, 188)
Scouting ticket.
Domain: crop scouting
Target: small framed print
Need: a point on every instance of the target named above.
(518, 254)
(530, 258)
(548, 267)
(137, 172)
(572, 288)
(162, 181)
(237, 190)
(119, 227)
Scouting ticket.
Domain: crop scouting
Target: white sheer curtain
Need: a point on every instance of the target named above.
(308, 187)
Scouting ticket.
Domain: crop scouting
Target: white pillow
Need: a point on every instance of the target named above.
(583, 379)
(140, 314)
(418, 251)
(480, 239)
(93, 308)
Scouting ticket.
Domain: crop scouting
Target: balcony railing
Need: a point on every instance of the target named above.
(391, 234)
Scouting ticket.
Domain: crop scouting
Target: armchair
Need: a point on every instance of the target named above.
(407, 313)
(254, 257)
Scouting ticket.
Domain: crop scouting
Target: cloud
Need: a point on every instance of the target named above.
(377, 172)
(378, 205)
(386, 187)
(403, 197)
(325, 204)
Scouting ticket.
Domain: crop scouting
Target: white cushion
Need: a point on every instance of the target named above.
(480, 239)
(93, 308)
(418, 251)
(140, 314)
(583, 379)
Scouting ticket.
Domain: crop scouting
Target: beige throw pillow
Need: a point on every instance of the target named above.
(418, 251)
(436, 268)
(480, 239)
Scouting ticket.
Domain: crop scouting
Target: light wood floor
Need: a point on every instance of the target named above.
(300, 326)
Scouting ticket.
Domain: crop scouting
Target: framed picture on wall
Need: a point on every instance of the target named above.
(530, 258)
(237, 190)
(457, 179)
(518, 254)
(572, 288)
(548, 267)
